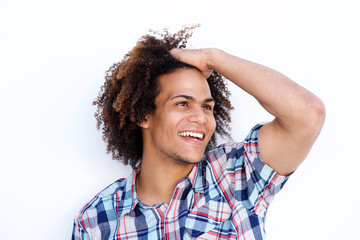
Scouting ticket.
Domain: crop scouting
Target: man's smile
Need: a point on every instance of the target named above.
(196, 135)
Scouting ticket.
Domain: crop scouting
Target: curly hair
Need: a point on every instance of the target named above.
(130, 89)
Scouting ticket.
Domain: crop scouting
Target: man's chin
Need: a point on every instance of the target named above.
(186, 157)
(187, 160)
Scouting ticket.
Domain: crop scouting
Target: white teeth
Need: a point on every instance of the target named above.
(192, 134)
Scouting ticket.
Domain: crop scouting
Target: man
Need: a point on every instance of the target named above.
(159, 109)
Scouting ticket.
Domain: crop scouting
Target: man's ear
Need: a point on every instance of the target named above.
(144, 123)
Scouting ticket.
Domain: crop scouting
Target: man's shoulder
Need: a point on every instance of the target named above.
(226, 150)
(104, 199)
(234, 149)
(115, 187)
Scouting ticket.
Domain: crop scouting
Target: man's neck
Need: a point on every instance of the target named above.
(157, 180)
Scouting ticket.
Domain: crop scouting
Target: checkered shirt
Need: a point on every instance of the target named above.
(225, 196)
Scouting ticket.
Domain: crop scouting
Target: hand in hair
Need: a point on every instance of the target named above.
(195, 57)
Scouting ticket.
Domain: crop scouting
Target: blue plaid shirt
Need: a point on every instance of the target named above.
(225, 196)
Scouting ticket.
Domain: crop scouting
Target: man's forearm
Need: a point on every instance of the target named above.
(290, 103)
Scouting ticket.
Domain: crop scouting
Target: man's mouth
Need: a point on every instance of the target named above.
(199, 136)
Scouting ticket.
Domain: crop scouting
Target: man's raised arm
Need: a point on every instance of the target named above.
(299, 114)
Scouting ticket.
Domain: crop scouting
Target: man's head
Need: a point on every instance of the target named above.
(133, 87)
(183, 122)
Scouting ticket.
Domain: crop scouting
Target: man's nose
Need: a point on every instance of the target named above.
(197, 115)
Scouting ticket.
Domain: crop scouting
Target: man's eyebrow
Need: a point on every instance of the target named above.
(209, 100)
(190, 98)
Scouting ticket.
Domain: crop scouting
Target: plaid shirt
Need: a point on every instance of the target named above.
(225, 196)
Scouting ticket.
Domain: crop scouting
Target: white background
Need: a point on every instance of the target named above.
(53, 55)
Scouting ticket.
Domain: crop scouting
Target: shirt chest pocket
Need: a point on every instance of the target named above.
(207, 216)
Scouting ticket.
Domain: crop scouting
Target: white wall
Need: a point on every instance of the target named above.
(53, 55)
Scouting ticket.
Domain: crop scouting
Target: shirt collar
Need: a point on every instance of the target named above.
(130, 199)
(197, 177)
(135, 172)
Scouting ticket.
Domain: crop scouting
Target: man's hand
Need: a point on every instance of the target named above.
(198, 58)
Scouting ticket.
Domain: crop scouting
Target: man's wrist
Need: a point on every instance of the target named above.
(213, 57)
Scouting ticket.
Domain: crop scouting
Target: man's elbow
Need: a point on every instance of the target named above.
(315, 116)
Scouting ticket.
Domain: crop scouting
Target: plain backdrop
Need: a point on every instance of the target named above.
(53, 57)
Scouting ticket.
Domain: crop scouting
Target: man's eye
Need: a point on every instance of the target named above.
(207, 107)
(182, 104)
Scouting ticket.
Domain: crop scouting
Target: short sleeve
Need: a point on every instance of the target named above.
(254, 183)
(262, 181)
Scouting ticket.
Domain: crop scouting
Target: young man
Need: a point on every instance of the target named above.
(159, 109)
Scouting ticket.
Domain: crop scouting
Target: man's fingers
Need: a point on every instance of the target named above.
(192, 57)
(175, 52)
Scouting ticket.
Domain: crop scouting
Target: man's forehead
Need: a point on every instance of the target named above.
(186, 82)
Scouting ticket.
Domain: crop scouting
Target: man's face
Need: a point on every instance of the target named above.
(183, 122)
